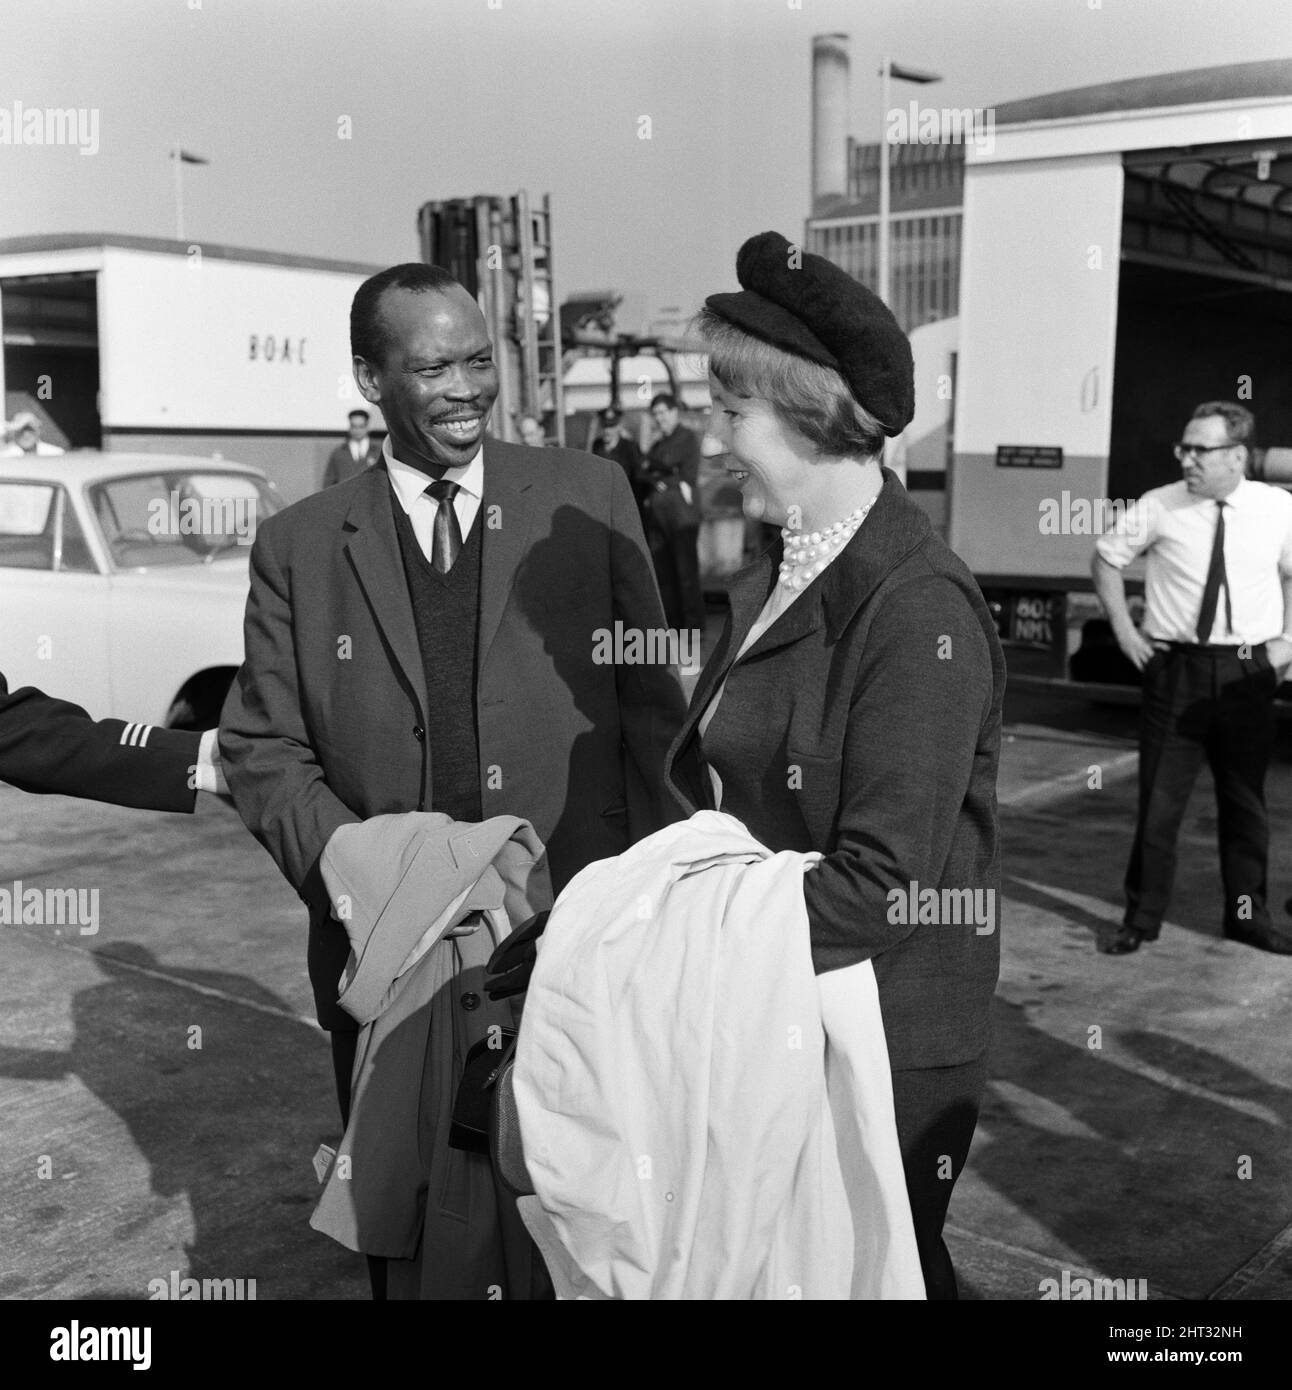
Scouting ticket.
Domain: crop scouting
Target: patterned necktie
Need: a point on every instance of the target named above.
(1216, 580)
(448, 534)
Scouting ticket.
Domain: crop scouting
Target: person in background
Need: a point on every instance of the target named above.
(53, 746)
(614, 442)
(673, 515)
(1216, 641)
(24, 433)
(357, 453)
(531, 431)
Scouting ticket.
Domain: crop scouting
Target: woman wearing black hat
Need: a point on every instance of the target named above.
(853, 703)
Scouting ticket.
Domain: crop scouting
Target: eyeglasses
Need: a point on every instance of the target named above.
(1183, 451)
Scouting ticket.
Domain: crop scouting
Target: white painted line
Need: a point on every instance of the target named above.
(209, 990)
(1052, 788)
(1275, 1252)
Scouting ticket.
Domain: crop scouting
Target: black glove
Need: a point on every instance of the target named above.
(512, 963)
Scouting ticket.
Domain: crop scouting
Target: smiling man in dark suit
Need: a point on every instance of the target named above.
(421, 637)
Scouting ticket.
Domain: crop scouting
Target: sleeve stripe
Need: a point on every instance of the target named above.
(125, 734)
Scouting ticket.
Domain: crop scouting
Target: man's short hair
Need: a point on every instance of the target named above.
(359, 415)
(1240, 423)
(664, 398)
(812, 399)
(369, 338)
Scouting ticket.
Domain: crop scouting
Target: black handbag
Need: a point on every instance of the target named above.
(484, 1110)
(473, 1104)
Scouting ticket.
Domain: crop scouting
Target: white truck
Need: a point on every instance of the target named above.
(1127, 254)
(145, 345)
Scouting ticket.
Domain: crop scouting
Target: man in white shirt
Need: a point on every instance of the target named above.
(24, 431)
(357, 453)
(1215, 643)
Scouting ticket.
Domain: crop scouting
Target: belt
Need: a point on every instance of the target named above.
(1211, 648)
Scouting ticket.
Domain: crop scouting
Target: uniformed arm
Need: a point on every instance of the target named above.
(651, 704)
(49, 745)
(273, 774)
(923, 690)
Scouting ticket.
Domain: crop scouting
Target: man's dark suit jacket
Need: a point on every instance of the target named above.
(341, 465)
(865, 723)
(325, 722)
(49, 745)
(677, 455)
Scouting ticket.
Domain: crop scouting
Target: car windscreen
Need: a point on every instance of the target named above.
(180, 518)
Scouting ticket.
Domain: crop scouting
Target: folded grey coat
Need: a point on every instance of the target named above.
(424, 900)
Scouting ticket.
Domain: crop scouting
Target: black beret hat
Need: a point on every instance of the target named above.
(806, 305)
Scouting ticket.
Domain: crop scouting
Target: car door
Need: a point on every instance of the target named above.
(53, 599)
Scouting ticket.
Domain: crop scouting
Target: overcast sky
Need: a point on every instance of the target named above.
(447, 98)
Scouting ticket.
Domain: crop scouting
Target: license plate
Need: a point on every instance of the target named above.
(1030, 620)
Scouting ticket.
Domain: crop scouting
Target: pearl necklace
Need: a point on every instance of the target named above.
(806, 555)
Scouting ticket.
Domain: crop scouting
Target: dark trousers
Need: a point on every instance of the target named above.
(344, 1046)
(675, 550)
(936, 1111)
(1203, 702)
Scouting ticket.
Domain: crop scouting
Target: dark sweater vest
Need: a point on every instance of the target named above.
(446, 609)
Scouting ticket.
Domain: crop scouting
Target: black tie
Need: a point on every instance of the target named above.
(448, 534)
(1216, 579)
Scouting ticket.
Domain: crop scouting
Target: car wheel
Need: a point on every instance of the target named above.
(198, 704)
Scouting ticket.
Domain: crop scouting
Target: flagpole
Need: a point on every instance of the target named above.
(882, 286)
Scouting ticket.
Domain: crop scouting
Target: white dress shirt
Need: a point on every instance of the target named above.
(1177, 529)
(359, 449)
(410, 486)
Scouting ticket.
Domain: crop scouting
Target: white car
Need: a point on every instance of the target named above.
(123, 579)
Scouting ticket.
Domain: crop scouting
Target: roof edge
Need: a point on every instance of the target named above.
(166, 246)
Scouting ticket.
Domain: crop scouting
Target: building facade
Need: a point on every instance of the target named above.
(926, 183)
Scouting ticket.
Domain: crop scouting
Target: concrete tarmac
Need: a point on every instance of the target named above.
(163, 1087)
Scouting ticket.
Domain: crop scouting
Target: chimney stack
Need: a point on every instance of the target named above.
(830, 79)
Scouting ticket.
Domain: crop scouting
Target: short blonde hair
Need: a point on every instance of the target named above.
(807, 396)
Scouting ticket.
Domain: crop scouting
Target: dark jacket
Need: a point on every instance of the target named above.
(866, 724)
(629, 457)
(341, 465)
(325, 723)
(676, 455)
(49, 745)
(672, 460)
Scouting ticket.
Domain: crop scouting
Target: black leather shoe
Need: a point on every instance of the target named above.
(1118, 941)
(1273, 941)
